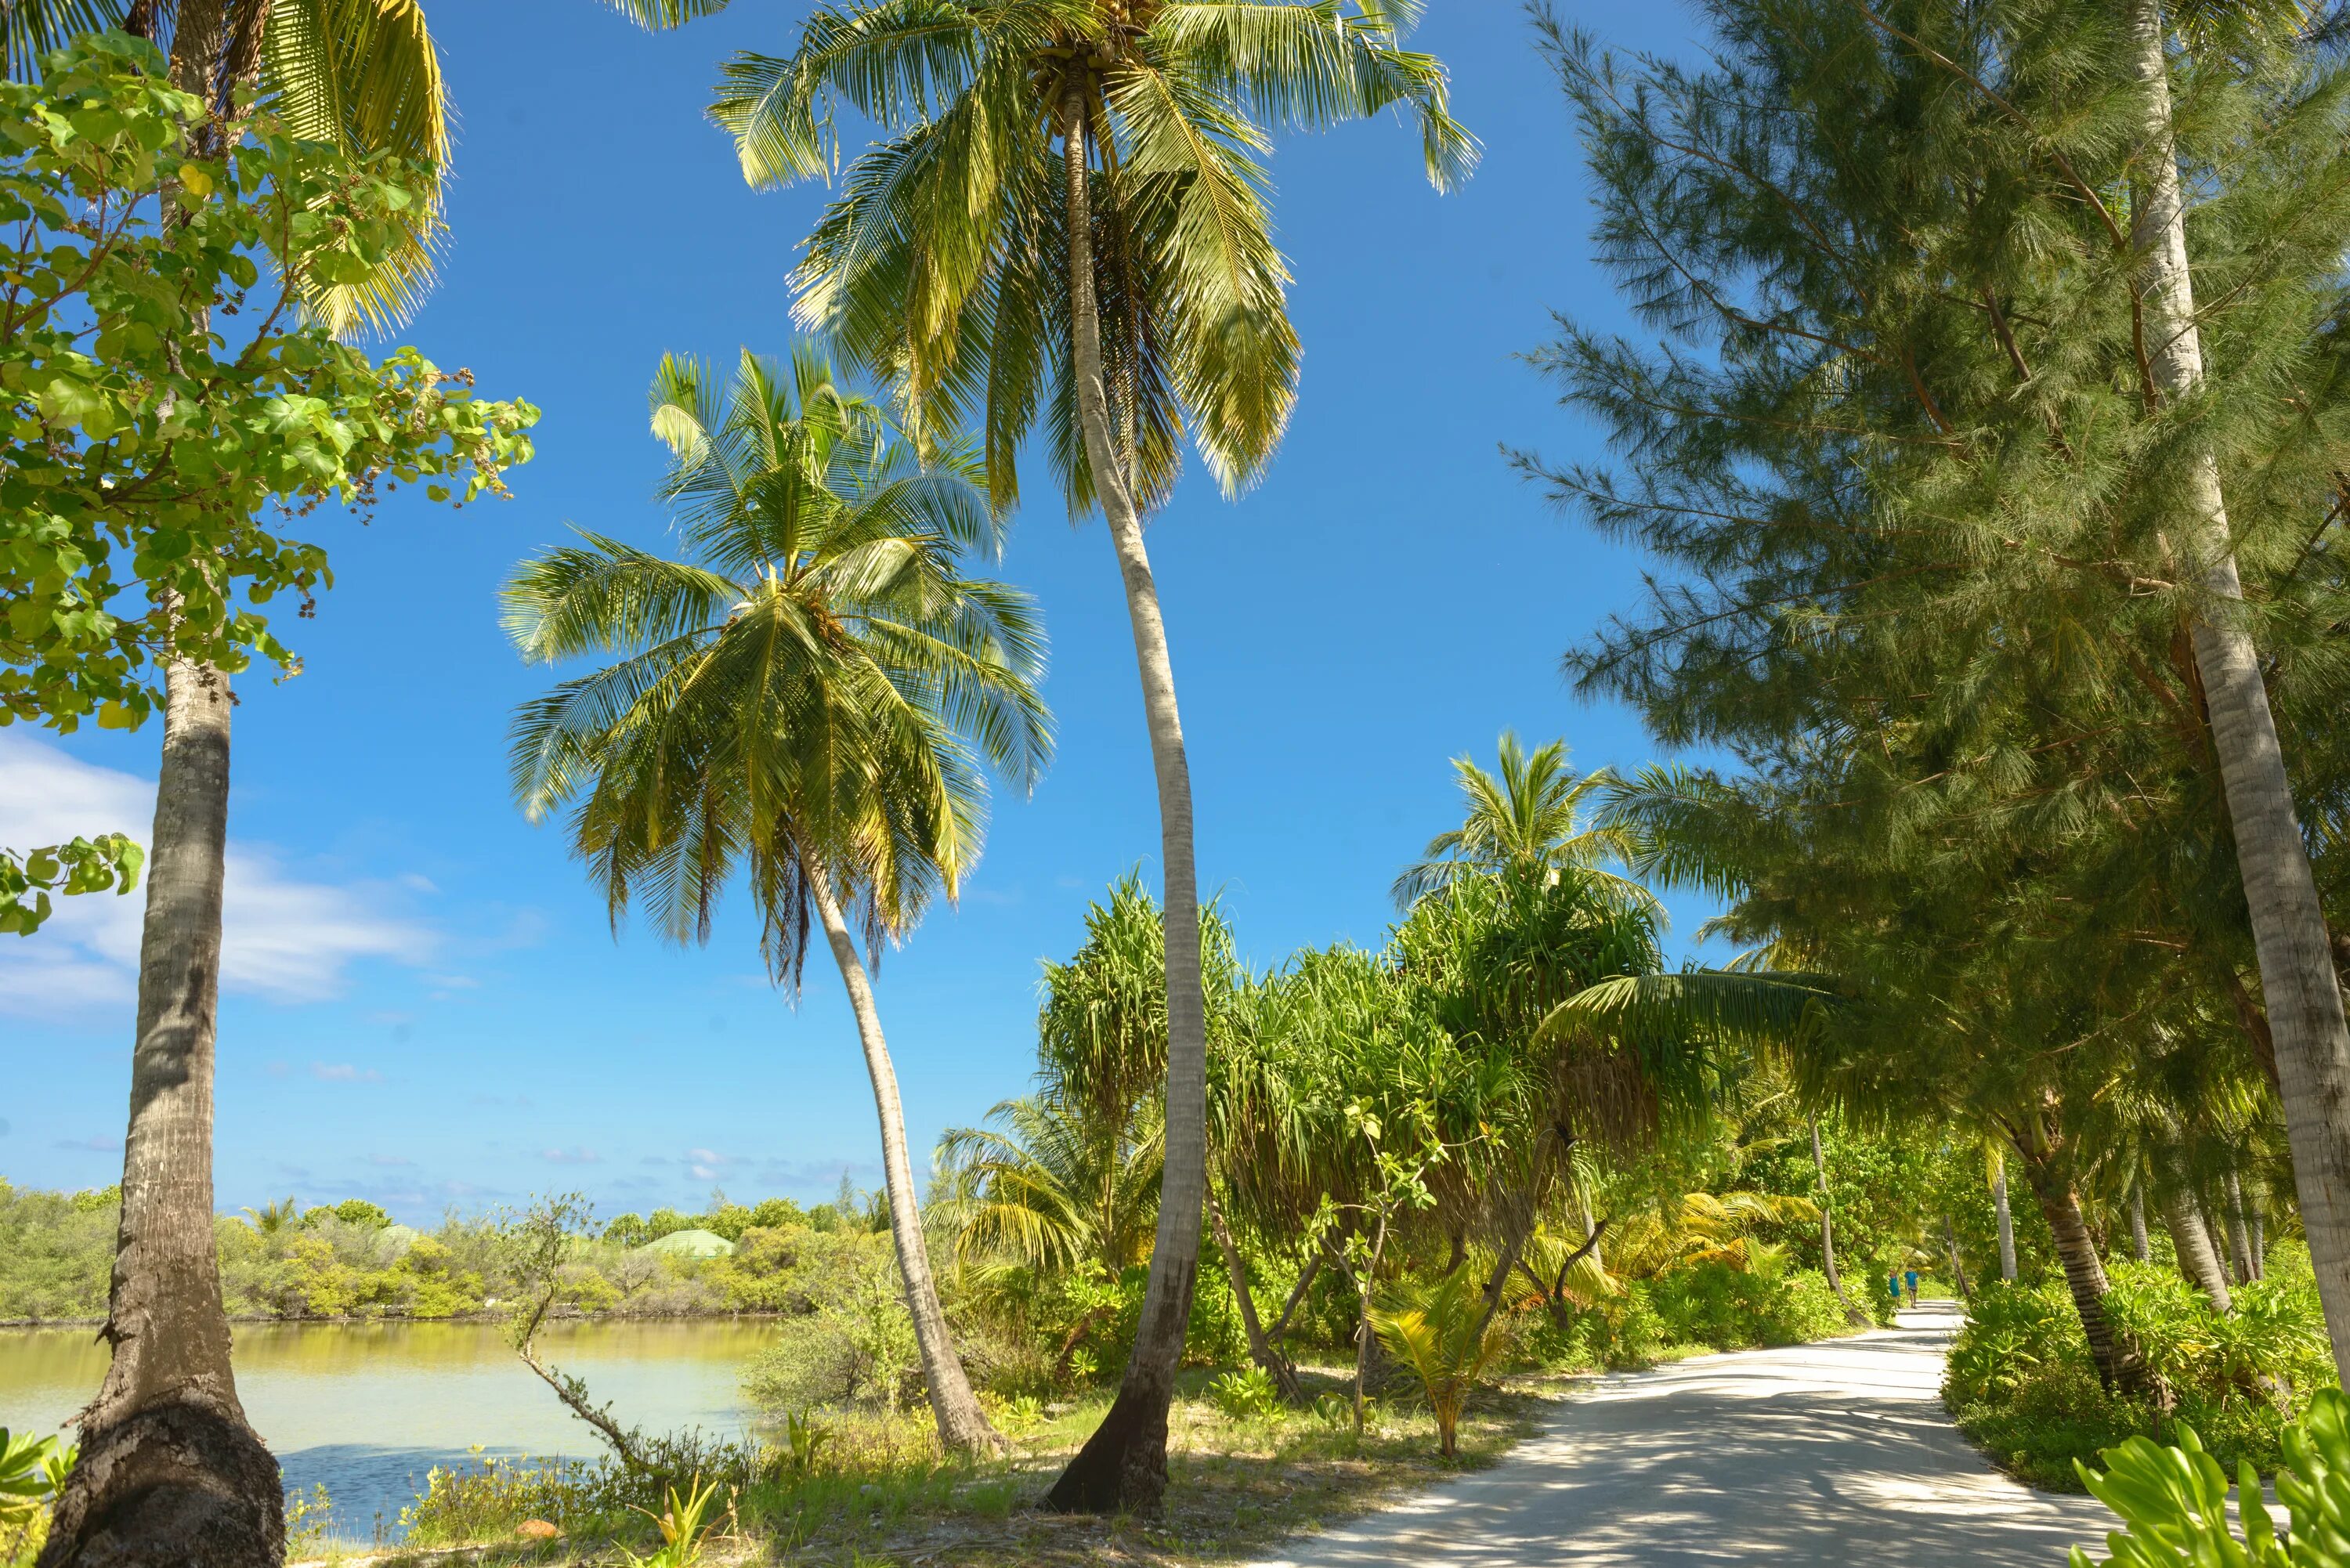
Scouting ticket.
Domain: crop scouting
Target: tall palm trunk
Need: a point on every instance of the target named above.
(1827, 1228)
(962, 1425)
(1123, 1466)
(2190, 1239)
(2121, 1367)
(2239, 1241)
(2138, 1247)
(2006, 1222)
(2190, 1233)
(2298, 986)
(170, 1471)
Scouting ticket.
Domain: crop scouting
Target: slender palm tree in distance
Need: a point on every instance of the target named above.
(1065, 217)
(813, 697)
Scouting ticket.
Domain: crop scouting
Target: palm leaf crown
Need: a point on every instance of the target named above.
(1535, 820)
(361, 75)
(942, 264)
(815, 687)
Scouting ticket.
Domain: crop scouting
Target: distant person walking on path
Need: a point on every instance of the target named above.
(1912, 1277)
(1893, 1288)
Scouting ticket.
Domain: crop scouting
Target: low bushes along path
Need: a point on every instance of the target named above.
(1831, 1454)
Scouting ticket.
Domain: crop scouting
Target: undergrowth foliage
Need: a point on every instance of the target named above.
(2022, 1385)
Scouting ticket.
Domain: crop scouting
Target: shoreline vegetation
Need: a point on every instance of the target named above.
(1995, 592)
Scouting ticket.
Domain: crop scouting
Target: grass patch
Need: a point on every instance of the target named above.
(883, 1494)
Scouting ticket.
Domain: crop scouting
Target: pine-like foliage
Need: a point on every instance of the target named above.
(1915, 497)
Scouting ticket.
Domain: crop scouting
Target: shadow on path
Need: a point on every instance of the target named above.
(1836, 1453)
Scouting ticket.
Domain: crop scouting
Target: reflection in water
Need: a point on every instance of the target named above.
(366, 1409)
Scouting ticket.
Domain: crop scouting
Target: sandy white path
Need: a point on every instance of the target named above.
(1834, 1455)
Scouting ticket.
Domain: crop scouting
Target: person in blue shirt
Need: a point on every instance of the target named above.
(1893, 1287)
(1911, 1276)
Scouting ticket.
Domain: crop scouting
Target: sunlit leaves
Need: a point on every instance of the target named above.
(154, 462)
(816, 690)
(943, 263)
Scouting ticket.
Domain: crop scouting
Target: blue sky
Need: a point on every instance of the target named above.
(425, 1004)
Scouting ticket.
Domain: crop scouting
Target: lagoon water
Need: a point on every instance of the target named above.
(366, 1409)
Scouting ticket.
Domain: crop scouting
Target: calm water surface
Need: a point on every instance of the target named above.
(368, 1408)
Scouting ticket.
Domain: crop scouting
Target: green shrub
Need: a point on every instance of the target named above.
(854, 1343)
(2173, 1502)
(2020, 1384)
(2039, 1429)
(55, 1250)
(1625, 1330)
(1246, 1393)
(2013, 1335)
(1715, 1304)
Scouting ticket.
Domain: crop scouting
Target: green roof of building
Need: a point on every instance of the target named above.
(693, 1244)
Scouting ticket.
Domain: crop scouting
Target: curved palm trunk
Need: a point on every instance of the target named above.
(2190, 1239)
(2006, 1218)
(962, 1425)
(2120, 1365)
(2239, 1241)
(2302, 999)
(2138, 1247)
(1123, 1465)
(170, 1471)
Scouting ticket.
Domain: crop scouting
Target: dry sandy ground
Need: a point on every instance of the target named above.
(1836, 1455)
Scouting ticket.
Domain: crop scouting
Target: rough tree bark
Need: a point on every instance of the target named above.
(1123, 1465)
(2301, 996)
(2121, 1367)
(2239, 1241)
(170, 1471)
(962, 1425)
(2190, 1239)
(2139, 1245)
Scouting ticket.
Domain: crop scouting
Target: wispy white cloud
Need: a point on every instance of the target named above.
(390, 1160)
(285, 937)
(344, 1073)
(582, 1155)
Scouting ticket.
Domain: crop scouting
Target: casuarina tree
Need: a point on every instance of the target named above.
(1994, 447)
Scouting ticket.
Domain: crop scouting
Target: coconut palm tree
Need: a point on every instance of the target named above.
(1538, 817)
(1065, 216)
(811, 697)
(2298, 981)
(1049, 1189)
